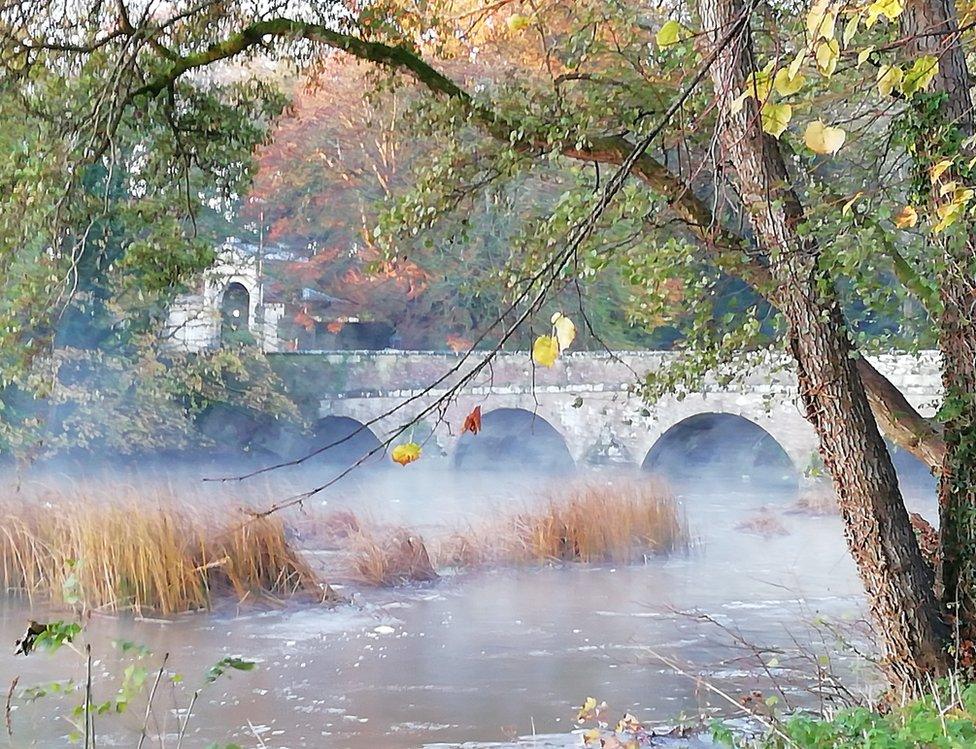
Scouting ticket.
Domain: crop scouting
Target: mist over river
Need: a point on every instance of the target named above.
(483, 657)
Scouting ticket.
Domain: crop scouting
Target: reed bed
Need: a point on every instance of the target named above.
(624, 522)
(165, 547)
(621, 523)
(145, 554)
(394, 559)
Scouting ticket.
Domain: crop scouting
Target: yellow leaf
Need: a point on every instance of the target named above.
(775, 118)
(906, 218)
(564, 331)
(738, 102)
(670, 34)
(850, 28)
(920, 75)
(827, 54)
(947, 213)
(889, 79)
(759, 83)
(787, 84)
(948, 187)
(517, 22)
(938, 169)
(863, 55)
(628, 723)
(797, 62)
(821, 19)
(849, 205)
(821, 138)
(405, 453)
(586, 712)
(890, 9)
(545, 350)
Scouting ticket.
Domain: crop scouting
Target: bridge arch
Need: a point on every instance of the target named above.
(514, 438)
(720, 444)
(351, 441)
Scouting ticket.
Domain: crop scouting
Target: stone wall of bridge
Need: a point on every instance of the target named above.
(590, 398)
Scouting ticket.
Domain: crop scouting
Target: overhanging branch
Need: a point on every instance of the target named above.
(728, 251)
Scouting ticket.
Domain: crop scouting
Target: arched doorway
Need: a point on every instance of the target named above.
(235, 313)
(513, 438)
(720, 447)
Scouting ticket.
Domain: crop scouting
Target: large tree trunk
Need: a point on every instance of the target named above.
(898, 419)
(898, 583)
(932, 28)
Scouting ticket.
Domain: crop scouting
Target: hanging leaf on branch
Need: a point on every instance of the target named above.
(406, 453)
(547, 348)
(824, 139)
(564, 331)
(472, 422)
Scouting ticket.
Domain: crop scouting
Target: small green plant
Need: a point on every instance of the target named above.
(136, 680)
(944, 719)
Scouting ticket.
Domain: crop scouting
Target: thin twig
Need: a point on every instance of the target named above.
(152, 694)
(769, 723)
(89, 718)
(7, 708)
(186, 719)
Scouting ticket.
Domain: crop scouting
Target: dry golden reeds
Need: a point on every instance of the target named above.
(622, 522)
(166, 548)
(399, 557)
(141, 555)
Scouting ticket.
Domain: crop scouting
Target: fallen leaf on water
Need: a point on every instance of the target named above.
(628, 723)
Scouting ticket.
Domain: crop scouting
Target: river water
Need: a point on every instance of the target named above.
(483, 658)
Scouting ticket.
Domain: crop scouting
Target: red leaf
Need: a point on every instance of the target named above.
(472, 422)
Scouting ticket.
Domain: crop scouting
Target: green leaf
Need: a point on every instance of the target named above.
(920, 75)
(776, 117)
(670, 34)
(231, 662)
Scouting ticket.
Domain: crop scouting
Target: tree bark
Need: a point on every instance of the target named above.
(898, 583)
(932, 28)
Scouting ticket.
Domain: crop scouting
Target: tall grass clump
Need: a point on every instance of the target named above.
(134, 554)
(395, 558)
(622, 522)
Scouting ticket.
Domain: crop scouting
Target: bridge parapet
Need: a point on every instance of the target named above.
(590, 398)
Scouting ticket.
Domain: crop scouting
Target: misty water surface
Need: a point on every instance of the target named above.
(493, 655)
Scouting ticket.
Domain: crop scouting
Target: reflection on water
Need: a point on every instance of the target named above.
(490, 656)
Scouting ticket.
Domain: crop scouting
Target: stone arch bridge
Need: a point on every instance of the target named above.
(588, 398)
